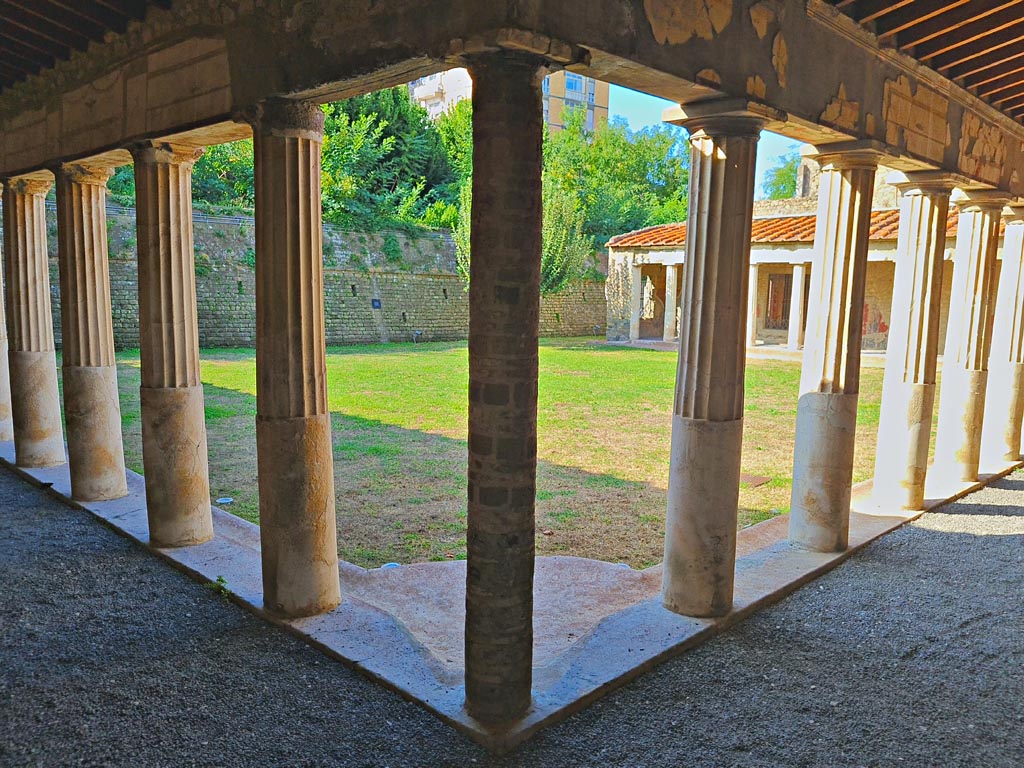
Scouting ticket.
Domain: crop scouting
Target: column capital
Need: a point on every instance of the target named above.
(28, 185)
(287, 118)
(846, 155)
(79, 173)
(924, 182)
(720, 117)
(1014, 214)
(164, 152)
(970, 200)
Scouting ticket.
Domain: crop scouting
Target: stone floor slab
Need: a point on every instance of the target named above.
(597, 625)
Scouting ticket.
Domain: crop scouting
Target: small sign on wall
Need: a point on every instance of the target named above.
(375, 303)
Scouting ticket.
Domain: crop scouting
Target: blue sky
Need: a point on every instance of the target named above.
(641, 110)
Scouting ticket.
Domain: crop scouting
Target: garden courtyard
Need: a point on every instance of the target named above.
(399, 432)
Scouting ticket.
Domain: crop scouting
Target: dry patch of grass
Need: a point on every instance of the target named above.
(399, 431)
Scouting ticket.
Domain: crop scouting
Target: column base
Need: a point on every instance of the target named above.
(904, 434)
(826, 429)
(1004, 412)
(93, 416)
(298, 533)
(174, 457)
(35, 409)
(961, 414)
(700, 524)
(6, 422)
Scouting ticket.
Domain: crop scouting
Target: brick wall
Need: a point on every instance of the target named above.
(378, 287)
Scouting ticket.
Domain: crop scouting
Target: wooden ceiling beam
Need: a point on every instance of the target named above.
(985, 63)
(101, 17)
(869, 10)
(55, 15)
(963, 54)
(912, 16)
(951, 18)
(1008, 82)
(971, 34)
(40, 59)
(40, 26)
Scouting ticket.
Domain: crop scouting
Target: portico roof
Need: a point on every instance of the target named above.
(770, 229)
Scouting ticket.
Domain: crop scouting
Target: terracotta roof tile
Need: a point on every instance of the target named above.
(772, 229)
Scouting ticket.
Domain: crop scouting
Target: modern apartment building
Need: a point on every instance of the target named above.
(562, 92)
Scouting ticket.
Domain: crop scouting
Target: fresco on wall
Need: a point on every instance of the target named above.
(875, 329)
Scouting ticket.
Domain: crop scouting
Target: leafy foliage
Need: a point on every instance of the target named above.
(624, 179)
(780, 180)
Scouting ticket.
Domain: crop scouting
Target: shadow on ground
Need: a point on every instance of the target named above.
(911, 653)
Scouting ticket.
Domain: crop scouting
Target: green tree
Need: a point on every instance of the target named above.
(623, 179)
(780, 180)
(223, 177)
(565, 248)
(411, 171)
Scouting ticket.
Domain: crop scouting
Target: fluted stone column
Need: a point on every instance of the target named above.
(1004, 399)
(671, 332)
(707, 422)
(504, 307)
(35, 403)
(795, 336)
(293, 426)
(908, 391)
(826, 419)
(968, 337)
(91, 407)
(174, 452)
(6, 422)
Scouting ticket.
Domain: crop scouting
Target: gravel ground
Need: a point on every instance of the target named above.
(911, 653)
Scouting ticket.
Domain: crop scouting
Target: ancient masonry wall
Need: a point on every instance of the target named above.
(378, 287)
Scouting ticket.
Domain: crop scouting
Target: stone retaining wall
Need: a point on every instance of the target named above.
(378, 287)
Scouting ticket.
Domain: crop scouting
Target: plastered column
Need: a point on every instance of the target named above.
(826, 419)
(707, 421)
(751, 327)
(91, 408)
(671, 332)
(968, 337)
(1004, 400)
(6, 422)
(908, 391)
(174, 452)
(35, 403)
(504, 306)
(795, 339)
(293, 426)
(636, 300)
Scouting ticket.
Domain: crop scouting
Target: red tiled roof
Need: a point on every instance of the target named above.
(771, 229)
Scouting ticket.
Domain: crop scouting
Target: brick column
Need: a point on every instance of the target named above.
(504, 306)
(35, 403)
(826, 419)
(908, 392)
(91, 408)
(1004, 398)
(174, 452)
(293, 426)
(671, 332)
(968, 337)
(795, 337)
(707, 422)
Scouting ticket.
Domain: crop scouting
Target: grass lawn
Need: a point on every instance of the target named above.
(399, 430)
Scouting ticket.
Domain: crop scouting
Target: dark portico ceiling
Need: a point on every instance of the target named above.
(979, 44)
(36, 34)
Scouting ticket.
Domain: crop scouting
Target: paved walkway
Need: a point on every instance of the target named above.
(912, 653)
